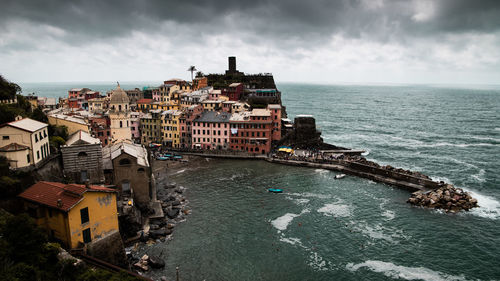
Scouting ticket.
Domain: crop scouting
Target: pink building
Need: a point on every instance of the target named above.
(214, 94)
(276, 119)
(135, 124)
(211, 130)
(156, 95)
(186, 123)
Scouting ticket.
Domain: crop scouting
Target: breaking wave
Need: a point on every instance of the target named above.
(403, 272)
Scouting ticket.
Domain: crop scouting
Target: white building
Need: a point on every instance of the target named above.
(24, 142)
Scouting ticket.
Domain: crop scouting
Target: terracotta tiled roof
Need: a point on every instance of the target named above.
(145, 101)
(59, 195)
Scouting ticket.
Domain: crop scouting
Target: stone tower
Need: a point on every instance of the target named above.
(119, 116)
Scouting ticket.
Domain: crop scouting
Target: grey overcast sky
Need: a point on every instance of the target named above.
(329, 41)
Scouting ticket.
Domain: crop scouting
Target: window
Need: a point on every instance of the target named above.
(140, 170)
(83, 176)
(86, 235)
(124, 161)
(45, 133)
(28, 158)
(84, 215)
(5, 137)
(38, 154)
(82, 154)
(36, 138)
(121, 124)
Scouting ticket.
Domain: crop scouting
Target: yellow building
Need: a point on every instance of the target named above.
(74, 123)
(170, 128)
(212, 105)
(24, 142)
(72, 213)
(151, 127)
(166, 92)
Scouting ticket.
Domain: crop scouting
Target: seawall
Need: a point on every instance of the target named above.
(376, 174)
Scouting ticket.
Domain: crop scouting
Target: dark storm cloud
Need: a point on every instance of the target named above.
(303, 20)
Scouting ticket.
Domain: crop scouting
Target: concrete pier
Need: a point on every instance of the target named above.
(376, 174)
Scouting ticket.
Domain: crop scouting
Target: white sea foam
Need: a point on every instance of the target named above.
(321, 171)
(489, 207)
(444, 179)
(463, 145)
(179, 172)
(291, 240)
(317, 262)
(403, 272)
(282, 222)
(298, 201)
(366, 152)
(389, 215)
(310, 195)
(479, 176)
(376, 232)
(336, 210)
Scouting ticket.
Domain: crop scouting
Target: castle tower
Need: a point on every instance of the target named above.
(119, 115)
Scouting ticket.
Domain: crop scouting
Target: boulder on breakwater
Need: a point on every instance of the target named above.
(447, 197)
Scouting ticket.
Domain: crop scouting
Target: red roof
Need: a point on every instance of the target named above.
(49, 194)
(145, 101)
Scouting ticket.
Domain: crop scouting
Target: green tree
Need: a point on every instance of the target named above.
(25, 240)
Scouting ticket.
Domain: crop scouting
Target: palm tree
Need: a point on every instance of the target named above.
(192, 69)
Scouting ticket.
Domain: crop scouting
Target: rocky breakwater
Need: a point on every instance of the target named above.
(174, 206)
(447, 197)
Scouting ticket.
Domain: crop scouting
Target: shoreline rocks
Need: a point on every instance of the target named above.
(447, 197)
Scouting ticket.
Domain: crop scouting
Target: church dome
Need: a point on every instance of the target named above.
(119, 96)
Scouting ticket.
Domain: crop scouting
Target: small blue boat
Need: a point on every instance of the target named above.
(162, 158)
(275, 190)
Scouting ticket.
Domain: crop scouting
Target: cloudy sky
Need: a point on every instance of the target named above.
(328, 41)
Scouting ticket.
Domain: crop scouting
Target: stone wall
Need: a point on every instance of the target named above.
(78, 158)
(126, 170)
(109, 248)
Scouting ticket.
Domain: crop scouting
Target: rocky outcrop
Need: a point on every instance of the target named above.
(447, 198)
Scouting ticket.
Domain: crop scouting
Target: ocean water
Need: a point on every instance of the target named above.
(353, 228)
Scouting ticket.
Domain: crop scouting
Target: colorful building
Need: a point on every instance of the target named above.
(24, 142)
(251, 131)
(151, 131)
(99, 128)
(200, 82)
(211, 130)
(234, 91)
(275, 110)
(71, 213)
(170, 128)
(185, 124)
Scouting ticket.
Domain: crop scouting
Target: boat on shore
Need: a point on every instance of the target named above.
(275, 190)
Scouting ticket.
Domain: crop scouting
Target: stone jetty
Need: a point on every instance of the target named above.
(447, 197)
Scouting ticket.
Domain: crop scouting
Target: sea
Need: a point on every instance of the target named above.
(321, 228)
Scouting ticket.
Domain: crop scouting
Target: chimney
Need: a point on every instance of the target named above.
(59, 203)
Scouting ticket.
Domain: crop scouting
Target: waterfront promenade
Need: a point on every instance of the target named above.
(380, 174)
